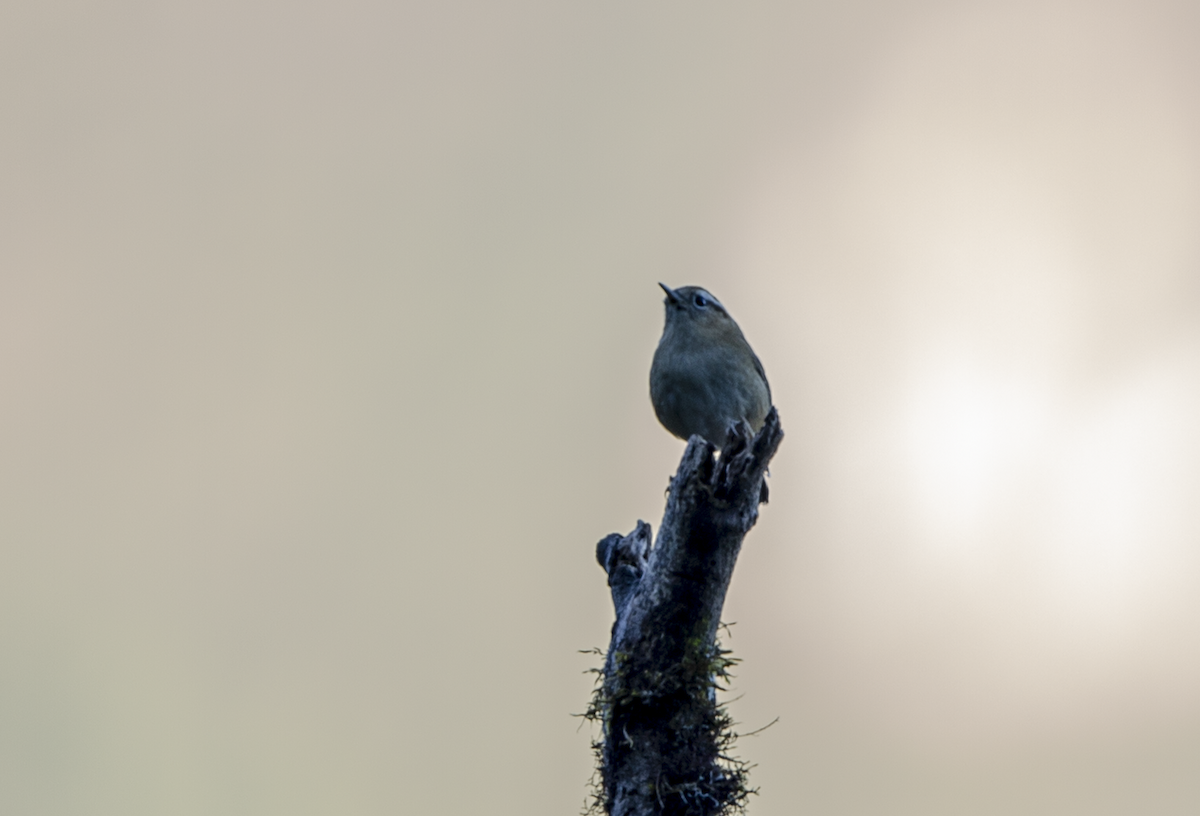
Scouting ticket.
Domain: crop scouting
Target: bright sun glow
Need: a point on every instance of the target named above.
(965, 434)
(1104, 481)
(1121, 485)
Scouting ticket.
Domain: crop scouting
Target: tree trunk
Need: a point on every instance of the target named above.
(664, 743)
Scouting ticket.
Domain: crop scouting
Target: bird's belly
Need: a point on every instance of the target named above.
(704, 406)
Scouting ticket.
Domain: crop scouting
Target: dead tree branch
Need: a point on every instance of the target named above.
(664, 742)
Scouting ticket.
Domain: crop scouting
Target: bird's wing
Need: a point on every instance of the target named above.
(758, 367)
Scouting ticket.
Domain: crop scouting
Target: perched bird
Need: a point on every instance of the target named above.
(705, 377)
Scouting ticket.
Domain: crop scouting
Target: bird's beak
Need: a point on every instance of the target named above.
(671, 296)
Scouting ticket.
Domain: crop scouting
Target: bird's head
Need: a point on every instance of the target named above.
(691, 308)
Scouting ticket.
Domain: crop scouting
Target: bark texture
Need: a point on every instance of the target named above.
(664, 736)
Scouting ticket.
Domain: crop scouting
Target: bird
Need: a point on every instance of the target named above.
(705, 377)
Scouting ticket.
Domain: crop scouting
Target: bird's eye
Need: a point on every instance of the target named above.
(701, 301)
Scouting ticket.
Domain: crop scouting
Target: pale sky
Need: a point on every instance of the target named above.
(325, 332)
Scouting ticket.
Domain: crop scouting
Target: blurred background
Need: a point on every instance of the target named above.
(325, 331)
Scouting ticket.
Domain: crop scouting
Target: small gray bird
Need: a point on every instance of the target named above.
(705, 377)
